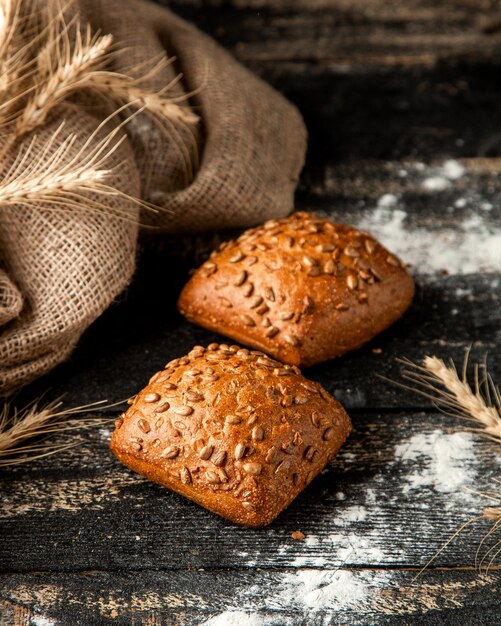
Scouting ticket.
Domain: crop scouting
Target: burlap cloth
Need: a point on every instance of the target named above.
(60, 269)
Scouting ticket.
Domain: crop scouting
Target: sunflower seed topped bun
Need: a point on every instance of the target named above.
(302, 289)
(235, 431)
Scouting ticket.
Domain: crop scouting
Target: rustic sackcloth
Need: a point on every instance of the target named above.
(60, 269)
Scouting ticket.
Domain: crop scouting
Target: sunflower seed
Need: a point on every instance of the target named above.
(257, 433)
(264, 308)
(329, 433)
(269, 294)
(300, 399)
(271, 332)
(206, 452)
(152, 397)
(170, 453)
(252, 260)
(342, 306)
(329, 267)
(308, 304)
(136, 446)
(351, 252)
(309, 453)
(240, 278)
(144, 425)
(219, 458)
(193, 372)
(292, 340)
(185, 475)
(286, 315)
(247, 320)
(352, 281)
(248, 290)
(233, 419)
(194, 396)
(119, 422)
(256, 301)
(240, 451)
(362, 297)
(184, 410)
(391, 260)
(314, 271)
(170, 386)
(254, 469)
(237, 257)
(248, 505)
(225, 302)
(370, 246)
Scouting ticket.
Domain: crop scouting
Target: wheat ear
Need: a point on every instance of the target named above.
(63, 68)
(440, 382)
(481, 404)
(19, 426)
(67, 177)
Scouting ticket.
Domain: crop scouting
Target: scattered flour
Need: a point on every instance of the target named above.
(105, 434)
(387, 200)
(320, 589)
(436, 183)
(450, 170)
(39, 620)
(351, 514)
(235, 618)
(449, 461)
(341, 548)
(473, 247)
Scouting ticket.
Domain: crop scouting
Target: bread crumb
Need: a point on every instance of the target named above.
(297, 534)
(377, 350)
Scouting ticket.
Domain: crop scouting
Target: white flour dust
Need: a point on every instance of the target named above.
(474, 246)
(448, 461)
(322, 589)
(236, 618)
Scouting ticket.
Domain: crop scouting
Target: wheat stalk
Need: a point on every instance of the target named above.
(61, 175)
(18, 427)
(436, 380)
(440, 382)
(63, 68)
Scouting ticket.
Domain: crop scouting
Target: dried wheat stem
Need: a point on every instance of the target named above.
(19, 427)
(493, 513)
(64, 69)
(123, 89)
(61, 175)
(469, 402)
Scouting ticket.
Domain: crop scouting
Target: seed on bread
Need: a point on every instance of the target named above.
(236, 442)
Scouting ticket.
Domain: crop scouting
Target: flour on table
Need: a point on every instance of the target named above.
(351, 514)
(323, 589)
(449, 171)
(39, 620)
(473, 246)
(448, 462)
(235, 618)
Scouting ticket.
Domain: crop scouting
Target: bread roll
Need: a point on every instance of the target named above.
(233, 430)
(302, 289)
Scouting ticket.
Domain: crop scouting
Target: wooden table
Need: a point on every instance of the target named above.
(403, 105)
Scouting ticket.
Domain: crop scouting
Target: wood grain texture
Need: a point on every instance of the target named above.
(362, 511)
(391, 91)
(192, 598)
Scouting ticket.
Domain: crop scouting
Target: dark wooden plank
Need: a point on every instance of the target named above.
(350, 33)
(251, 598)
(392, 497)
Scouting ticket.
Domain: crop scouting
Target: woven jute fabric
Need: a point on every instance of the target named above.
(59, 268)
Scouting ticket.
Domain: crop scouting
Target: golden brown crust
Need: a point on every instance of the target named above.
(233, 430)
(301, 289)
